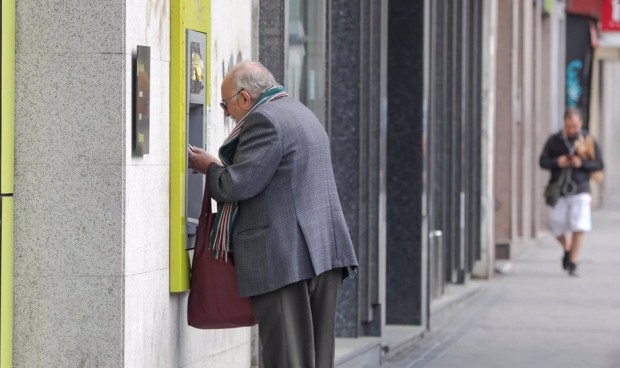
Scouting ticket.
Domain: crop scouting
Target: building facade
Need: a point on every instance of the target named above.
(529, 106)
(92, 219)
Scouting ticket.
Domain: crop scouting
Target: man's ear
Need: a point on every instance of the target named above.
(247, 100)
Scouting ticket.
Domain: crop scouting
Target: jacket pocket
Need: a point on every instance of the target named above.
(252, 231)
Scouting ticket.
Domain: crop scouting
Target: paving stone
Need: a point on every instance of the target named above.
(537, 315)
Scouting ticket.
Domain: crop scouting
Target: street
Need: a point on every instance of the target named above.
(537, 315)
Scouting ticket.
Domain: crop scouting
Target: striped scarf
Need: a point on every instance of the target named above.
(221, 235)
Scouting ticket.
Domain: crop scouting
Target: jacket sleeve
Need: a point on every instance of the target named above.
(546, 160)
(258, 155)
(597, 163)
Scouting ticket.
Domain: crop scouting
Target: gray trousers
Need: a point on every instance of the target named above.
(296, 322)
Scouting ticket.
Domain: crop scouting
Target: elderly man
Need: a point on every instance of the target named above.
(572, 168)
(280, 216)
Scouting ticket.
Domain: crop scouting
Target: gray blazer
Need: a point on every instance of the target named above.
(290, 225)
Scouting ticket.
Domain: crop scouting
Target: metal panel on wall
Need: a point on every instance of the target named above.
(142, 100)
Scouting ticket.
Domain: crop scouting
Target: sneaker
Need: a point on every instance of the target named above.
(565, 260)
(572, 269)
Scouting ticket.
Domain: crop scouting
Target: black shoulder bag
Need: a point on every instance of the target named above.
(553, 190)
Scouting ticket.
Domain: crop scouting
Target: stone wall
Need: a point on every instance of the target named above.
(91, 219)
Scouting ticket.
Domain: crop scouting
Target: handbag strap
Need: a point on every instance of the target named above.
(563, 174)
(206, 200)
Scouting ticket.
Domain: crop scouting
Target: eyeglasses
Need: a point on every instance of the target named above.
(223, 103)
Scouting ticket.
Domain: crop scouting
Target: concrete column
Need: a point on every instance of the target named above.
(537, 97)
(485, 266)
(273, 37)
(610, 116)
(346, 133)
(527, 122)
(406, 281)
(544, 86)
(503, 159)
(558, 57)
(91, 220)
(69, 184)
(516, 110)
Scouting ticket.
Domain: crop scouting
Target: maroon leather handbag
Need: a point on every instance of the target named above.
(214, 300)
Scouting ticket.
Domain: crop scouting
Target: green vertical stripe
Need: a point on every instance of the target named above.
(8, 96)
(7, 124)
(179, 261)
(196, 15)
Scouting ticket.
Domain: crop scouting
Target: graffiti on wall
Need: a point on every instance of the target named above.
(579, 56)
(573, 83)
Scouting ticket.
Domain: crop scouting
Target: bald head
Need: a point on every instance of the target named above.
(251, 76)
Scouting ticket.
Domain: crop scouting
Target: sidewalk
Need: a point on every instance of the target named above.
(538, 316)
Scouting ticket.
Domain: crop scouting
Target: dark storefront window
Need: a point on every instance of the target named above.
(307, 55)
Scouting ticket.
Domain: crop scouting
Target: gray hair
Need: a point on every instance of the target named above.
(252, 77)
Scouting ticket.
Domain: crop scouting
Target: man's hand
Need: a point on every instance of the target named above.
(576, 161)
(199, 159)
(564, 161)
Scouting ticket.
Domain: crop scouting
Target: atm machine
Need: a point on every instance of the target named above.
(7, 76)
(195, 127)
(189, 93)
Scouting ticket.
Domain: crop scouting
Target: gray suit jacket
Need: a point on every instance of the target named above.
(290, 225)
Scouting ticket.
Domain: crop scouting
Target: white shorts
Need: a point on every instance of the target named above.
(571, 213)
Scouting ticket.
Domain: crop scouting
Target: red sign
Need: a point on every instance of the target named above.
(610, 15)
